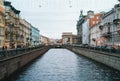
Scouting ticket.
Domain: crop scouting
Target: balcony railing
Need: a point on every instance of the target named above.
(7, 32)
(93, 39)
(107, 35)
(116, 21)
(8, 21)
(18, 51)
(101, 27)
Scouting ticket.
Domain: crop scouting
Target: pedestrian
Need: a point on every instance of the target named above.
(3, 48)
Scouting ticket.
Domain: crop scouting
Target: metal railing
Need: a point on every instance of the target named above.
(17, 51)
(115, 51)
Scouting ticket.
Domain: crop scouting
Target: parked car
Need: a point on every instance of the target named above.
(100, 48)
(19, 46)
(92, 47)
(110, 49)
(85, 46)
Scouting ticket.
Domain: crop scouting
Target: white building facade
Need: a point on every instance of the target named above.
(95, 36)
(86, 28)
(110, 27)
(85, 35)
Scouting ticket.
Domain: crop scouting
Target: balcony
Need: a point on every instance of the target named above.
(116, 21)
(27, 38)
(13, 33)
(93, 39)
(21, 36)
(7, 32)
(101, 27)
(17, 25)
(107, 35)
(8, 21)
(7, 40)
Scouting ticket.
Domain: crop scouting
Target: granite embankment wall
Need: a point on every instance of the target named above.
(9, 65)
(109, 59)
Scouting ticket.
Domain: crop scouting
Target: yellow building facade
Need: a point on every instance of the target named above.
(2, 24)
(24, 32)
(12, 35)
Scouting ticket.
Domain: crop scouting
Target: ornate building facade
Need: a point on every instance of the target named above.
(79, 27)
(2, 24)
(12, 36)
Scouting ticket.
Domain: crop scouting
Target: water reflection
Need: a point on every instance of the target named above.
(63, 65)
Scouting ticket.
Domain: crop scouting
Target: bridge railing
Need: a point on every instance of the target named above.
(17, 51)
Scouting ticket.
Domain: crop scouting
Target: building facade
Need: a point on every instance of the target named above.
(95, 36)
(2, 24)
(12, 36)
(86, 28)
(107, 32)
(100, 29)
(68, 38)
(107, 27)
(116, 22)
(95, 31)
(85, 32)
(79, 28)
(25, 32)
(34, 36)
(44, 40)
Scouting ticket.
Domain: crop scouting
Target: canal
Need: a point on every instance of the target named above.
(64, 65)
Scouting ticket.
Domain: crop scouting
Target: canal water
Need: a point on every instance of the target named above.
(64, 65)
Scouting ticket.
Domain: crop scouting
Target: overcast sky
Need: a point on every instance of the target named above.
(52, 17)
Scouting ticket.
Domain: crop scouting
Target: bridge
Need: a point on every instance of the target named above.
(59, 63)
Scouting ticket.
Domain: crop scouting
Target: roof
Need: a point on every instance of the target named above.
(7, 3)
(108, 13)
(96, 19)
(81, 21)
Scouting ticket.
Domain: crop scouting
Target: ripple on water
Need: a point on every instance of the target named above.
(63, 65)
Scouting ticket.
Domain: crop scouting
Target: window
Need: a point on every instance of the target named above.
(97, 17)
(1, 2)
(96, 22)
(1, 19)
(118, 15)
(93, 22)
(7, 8)
(1, 31)
(1, 42)
(7, 17)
